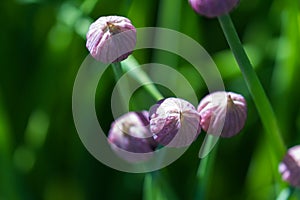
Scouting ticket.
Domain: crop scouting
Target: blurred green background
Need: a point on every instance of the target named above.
(42, 47)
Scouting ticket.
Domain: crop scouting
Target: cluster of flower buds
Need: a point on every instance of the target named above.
(171, 122)
(290, 167)
(174, 122)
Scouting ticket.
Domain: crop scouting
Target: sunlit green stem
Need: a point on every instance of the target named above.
(131, 66)
(286, 194)
(138, 74)
(157, 187)
(255, 88)
(117, 69)
(205, 166)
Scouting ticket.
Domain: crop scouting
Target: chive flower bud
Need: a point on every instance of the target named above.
(174, 122)
(220, 108)
(213, 8)
(131, 133)
(111, 39)
(290, 167)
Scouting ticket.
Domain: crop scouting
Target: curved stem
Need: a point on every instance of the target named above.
(255, 88)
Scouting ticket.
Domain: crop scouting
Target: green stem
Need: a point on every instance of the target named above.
(157, 187)
(131, 66)
(138, 75)
(205, 167)
(117, 69)
(286, 194)
(255, 88)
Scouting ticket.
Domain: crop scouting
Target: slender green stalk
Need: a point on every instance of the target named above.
(136, 73)
(118, 71)
(157, 187)
(255, 88)
(205, 167)
(286, 194)
(131, 66)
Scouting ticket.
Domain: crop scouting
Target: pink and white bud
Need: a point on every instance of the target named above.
(174, 122)
(213, 8)
(111, 39)
(223, 113)
(290, 167)
(131, 133)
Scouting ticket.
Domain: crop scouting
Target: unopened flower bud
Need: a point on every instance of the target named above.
(131, 133)
(290, 167)
(111, 39)
(174, 122)
(223, 113)
(213, 8)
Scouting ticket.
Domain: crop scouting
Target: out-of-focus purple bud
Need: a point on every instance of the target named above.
(213, 8)
(130, 134)
(223, 109)
(111, 39)
(290, 167)
(175, 122)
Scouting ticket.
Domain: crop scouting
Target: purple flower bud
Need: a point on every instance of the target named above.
(290, 167)
(131, 133)
(213, 8)
(111, 39)
(175, 122)
(225, 109)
